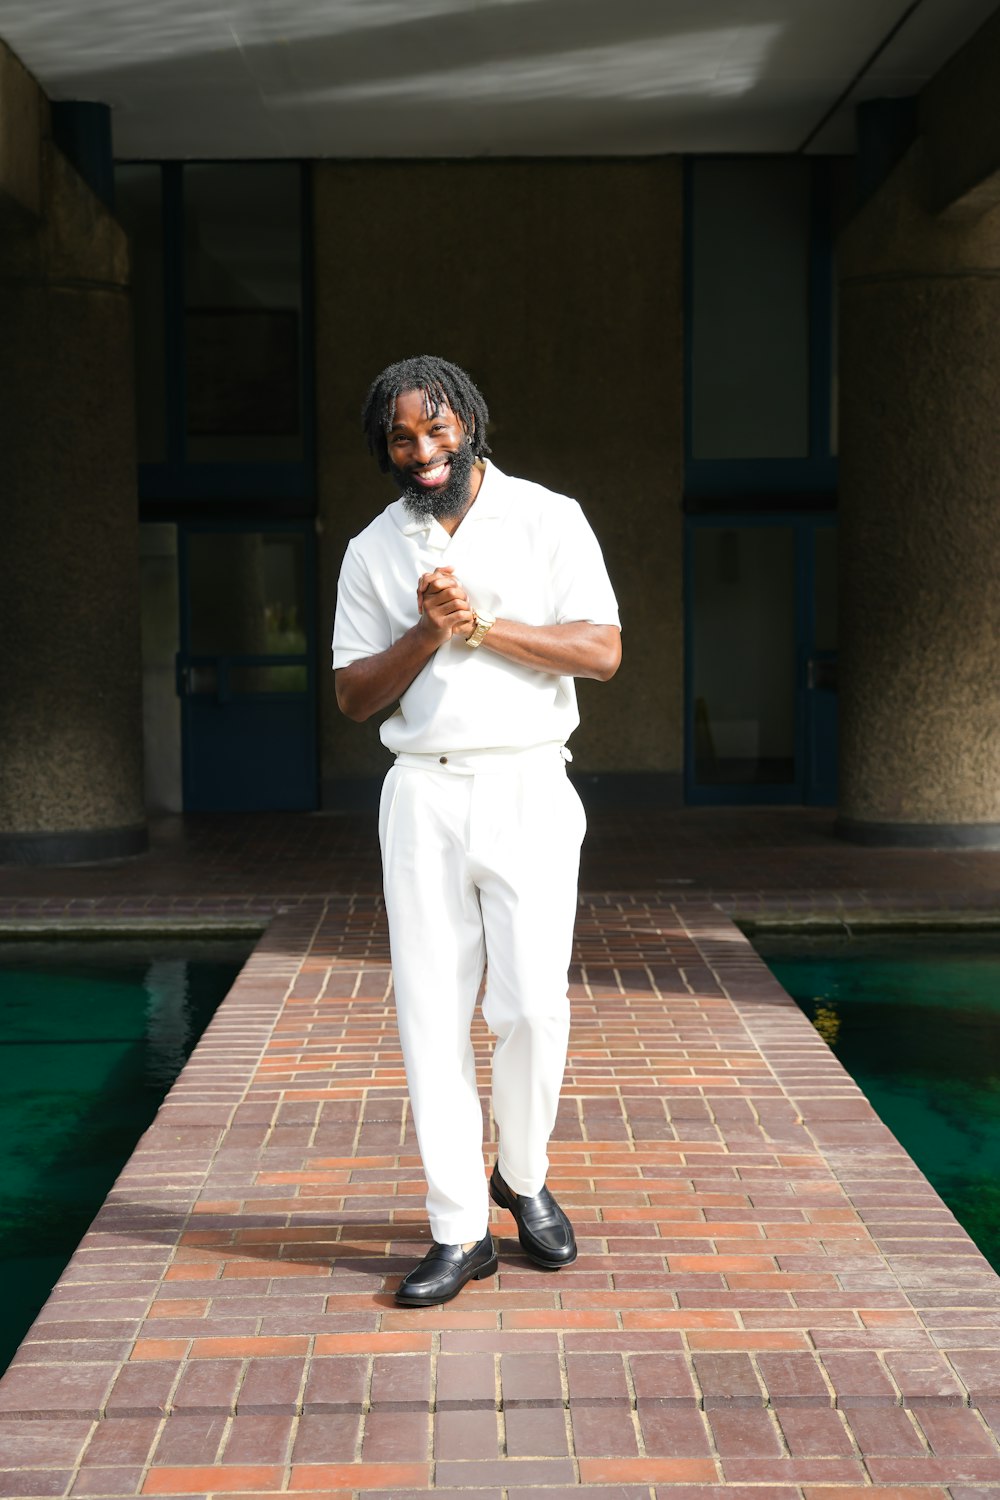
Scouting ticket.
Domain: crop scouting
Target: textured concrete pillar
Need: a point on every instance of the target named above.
(920, 527)
(70, 688)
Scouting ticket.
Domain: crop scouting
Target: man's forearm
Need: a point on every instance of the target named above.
(578, 649)
(374, 682)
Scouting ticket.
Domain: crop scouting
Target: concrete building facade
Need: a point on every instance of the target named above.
(729, 359)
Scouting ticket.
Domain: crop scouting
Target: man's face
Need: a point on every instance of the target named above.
(430, 457)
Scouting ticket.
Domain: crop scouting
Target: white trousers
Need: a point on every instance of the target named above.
(480, 859)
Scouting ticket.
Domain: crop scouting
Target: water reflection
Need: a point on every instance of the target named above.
(168, 1020)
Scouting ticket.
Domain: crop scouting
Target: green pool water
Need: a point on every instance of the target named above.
(916, 1022)
(91, 1038)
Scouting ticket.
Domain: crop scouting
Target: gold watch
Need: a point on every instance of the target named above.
(484, 623)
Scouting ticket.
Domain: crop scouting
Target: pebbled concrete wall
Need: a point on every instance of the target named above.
(71, 722)
(559, 286)
(920, 517)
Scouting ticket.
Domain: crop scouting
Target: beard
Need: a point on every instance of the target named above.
(446, 500)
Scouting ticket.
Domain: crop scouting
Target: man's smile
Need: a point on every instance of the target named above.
(430, 478)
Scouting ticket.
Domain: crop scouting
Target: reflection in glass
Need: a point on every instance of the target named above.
(247, 593)
(834, 359)
(243, 276)
(750, 309)
(825, 595)
(744, 655)
(203, 677)
(139, 208)
(288, 678)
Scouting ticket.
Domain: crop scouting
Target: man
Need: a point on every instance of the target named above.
(474, 600)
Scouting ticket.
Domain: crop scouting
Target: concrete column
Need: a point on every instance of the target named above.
(70, 684)
(920, 529)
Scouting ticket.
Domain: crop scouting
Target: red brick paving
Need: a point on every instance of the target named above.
(769, 1301)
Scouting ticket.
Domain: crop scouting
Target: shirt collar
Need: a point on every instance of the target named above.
(487, 505)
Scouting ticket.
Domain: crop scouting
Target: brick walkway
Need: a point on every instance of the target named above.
(769, 1301)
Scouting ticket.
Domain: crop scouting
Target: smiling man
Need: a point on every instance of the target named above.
(471, 603)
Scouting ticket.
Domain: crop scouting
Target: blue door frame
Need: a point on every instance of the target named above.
(247, 751)
(815, 702)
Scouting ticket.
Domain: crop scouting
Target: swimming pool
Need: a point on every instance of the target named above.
(92, 1035)
(915, 1020)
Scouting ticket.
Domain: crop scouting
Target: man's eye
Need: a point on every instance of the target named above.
(439, 427)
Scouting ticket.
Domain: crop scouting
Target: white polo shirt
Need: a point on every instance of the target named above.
(523, 553)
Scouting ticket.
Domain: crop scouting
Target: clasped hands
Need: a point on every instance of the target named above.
(444, 606)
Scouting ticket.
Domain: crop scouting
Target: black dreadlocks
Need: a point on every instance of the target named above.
(442, 383)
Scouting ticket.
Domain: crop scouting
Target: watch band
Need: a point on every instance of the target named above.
(484, 623)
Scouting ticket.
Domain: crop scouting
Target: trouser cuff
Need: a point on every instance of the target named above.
(454, 1230)
(525, 1187)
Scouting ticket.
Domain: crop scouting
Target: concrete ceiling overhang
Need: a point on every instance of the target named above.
(402, 78)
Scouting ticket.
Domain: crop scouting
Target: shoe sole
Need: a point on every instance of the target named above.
(488, 1270)
(536, 1260)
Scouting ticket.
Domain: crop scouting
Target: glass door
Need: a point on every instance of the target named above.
(818, 672)
(761, 660)
(246, 668)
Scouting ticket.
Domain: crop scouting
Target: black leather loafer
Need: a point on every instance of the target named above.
(444, 1271)
(545, 1233)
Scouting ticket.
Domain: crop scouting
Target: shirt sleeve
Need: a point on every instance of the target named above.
(582, 588)
(361, 626)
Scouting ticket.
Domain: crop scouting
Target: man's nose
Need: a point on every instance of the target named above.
(424, 448)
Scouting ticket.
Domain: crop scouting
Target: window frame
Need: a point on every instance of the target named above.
(176, 487)
(770, 484)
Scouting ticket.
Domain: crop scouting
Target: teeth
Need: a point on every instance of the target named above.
(434, 473)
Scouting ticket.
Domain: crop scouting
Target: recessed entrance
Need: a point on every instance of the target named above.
(246, 667)
(761, 669)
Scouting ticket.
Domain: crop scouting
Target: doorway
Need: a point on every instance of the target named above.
(761, 668)
(246, 668)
